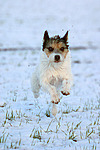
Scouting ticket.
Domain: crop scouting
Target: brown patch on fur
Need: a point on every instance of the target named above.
(56, 102)
(57, 51)
(65, 93)
(56, 45)
(47, 52)
(56, 42)
(65, 53)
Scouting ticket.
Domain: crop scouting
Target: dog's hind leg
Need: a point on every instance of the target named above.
(35, 85)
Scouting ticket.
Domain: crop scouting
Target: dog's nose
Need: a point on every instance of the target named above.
(57, 57)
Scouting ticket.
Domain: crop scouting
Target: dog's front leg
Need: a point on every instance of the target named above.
(66, 87)
(54, 95)
(53, 92)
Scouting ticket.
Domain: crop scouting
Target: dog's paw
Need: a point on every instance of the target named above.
(55, 102)
(65, 93)
(55, 99)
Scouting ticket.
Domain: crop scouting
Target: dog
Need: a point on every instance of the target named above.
(53, 72)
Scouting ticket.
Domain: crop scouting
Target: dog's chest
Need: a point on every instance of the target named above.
(52, 74)
(55, 81)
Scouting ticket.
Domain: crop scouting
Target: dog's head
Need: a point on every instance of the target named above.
(56, 48)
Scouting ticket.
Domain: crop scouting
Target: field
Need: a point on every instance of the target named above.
(27, 123)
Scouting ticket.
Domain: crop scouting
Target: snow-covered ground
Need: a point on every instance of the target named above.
(22, 22)
(27, 123)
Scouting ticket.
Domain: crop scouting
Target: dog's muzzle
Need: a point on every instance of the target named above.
(57, 58)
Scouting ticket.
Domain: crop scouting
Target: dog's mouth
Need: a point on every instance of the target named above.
(57, 61)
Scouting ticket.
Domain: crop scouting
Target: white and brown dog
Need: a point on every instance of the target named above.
(54, 70)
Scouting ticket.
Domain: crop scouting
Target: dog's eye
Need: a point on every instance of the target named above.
(50, 49)
(62, 49)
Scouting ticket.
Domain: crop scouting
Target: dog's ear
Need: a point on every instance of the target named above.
(65, 37)
(46, 36)
(45, 39)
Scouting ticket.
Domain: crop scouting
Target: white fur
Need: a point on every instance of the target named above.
(51, 76)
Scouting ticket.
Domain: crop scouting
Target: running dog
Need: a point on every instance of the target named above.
(53, 72)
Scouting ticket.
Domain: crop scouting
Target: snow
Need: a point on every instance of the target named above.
(29, 123)
(28, 20)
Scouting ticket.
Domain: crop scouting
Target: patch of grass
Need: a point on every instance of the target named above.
(3, 105)
(47, 113)
(70, 133)
(36, 134)
(91, 106)
(10, 115)
(88, 133)
(69, 109)
(3, 124)
(19, 64)
(3, 137)
(47, 130)
(20, 114)
(13, 145)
